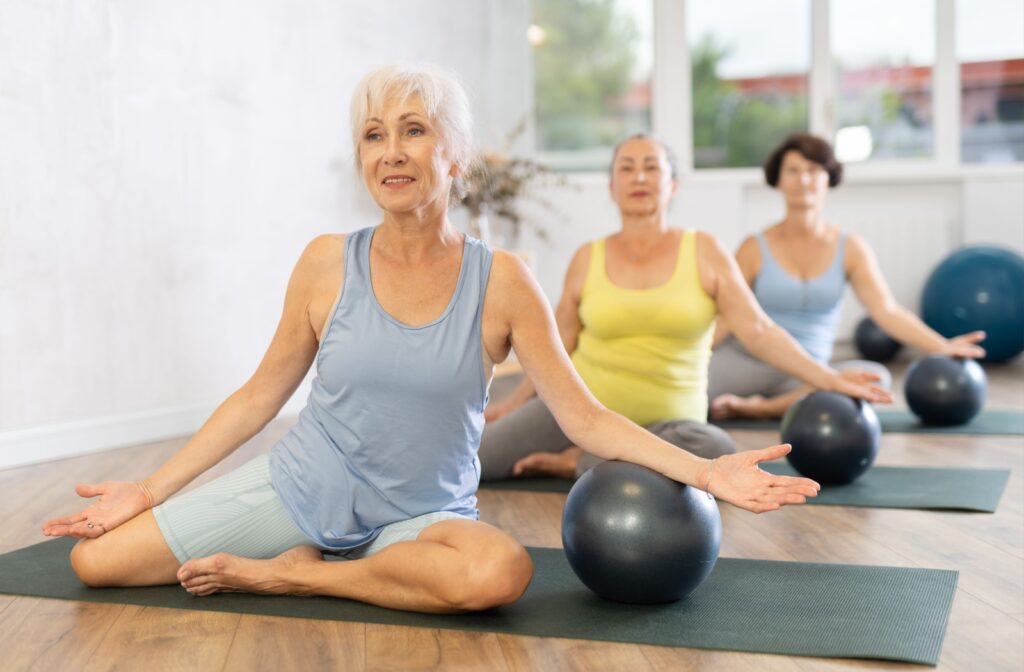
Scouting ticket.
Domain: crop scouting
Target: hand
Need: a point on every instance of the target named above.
(964, 346)
(859, 384)
(737, 479)
(118, 502)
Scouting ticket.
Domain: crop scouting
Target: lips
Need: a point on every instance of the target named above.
(638, 194)
(397, 180)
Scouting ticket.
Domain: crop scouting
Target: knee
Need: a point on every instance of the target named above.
(718, 442)
(88, 564)
(496, 577)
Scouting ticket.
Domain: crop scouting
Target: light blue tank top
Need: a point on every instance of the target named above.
(392, 425)
(808, 309)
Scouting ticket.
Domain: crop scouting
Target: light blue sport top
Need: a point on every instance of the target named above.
(392, 425)
(808, 309)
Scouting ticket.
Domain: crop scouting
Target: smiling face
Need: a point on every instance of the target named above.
(642, 182)
(403, 159)
(802, 182)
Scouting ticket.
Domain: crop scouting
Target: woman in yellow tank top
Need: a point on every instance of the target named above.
(637, 315)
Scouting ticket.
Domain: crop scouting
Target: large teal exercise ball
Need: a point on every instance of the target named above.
(979, 287)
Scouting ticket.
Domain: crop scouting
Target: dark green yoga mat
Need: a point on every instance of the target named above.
(881, 487)
(993, 422)
(913, 488)
(837, 611)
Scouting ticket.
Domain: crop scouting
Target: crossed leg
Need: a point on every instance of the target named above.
(452, 566)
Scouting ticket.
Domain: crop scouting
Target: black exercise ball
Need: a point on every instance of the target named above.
(633, 535)
(834, 437)
(873, 343)
(943, 390)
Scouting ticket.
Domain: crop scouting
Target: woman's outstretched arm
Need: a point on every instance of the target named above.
(869, 284)
(533, 333)
(236, 420)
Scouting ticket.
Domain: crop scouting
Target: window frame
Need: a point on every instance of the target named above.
(671, 101)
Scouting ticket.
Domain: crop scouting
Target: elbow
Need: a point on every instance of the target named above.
(587, 431)
(260, 407)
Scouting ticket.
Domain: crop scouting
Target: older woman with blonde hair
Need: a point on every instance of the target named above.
(404, 322)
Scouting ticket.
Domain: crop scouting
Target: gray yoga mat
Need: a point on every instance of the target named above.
(881, 487)
(913, 488)
(804, 609)
(991, 422)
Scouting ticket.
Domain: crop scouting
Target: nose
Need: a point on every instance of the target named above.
(394, 154)
(641, 176)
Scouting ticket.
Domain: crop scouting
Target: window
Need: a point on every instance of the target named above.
(592, 77)
(887, 81)
(749, 61)
(883, 52)
(990, 50)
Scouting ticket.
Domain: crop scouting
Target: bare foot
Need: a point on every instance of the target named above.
(226, 573)
(559, 465)
(727, 406)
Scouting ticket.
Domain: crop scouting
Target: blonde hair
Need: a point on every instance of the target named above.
(444, 100)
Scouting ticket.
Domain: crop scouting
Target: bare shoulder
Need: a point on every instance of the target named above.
(710, 247)
(507, 268)
(580, 262)
(857, 251)
(325, 253)
(325, 247)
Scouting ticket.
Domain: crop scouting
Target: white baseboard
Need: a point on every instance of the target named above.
(20, 447)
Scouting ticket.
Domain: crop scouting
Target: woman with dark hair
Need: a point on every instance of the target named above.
(637, 316)
(798, 270)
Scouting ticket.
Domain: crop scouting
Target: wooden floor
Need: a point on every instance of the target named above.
(986, 631)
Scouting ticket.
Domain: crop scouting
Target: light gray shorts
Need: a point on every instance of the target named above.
(240, 513)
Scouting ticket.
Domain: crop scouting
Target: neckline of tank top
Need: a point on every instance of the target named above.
(451, 302)
(828, 269)
(677, 269)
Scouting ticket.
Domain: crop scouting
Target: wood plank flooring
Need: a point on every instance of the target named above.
(986, 630)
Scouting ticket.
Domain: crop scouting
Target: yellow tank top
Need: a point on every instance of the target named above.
(644, 353)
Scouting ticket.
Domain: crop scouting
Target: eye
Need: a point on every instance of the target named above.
(625, 168)
(415, 131)
(373, 136)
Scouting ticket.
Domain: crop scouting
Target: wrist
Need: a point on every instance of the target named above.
(707, 475)
(147, 490)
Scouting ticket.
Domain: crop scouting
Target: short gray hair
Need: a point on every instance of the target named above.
(443, 97)
(670, 156)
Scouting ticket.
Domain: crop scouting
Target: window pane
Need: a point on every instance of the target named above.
(592, 73)
(990, 48)
(883, 52)
(749, 62)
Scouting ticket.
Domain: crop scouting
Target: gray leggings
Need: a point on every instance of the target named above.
(734, 370)
(532, 429)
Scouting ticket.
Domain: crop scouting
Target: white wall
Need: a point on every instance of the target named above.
(163, 165)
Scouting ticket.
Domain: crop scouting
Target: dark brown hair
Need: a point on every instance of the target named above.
(812, 148)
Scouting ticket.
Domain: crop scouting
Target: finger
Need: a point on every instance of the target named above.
(66, 520)
(770, 453)
(867, 376)
(974, 336)
(788, 498)
(83, 530)
(56, 530)
(877, 394)
(794, 482)
(88, 490)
